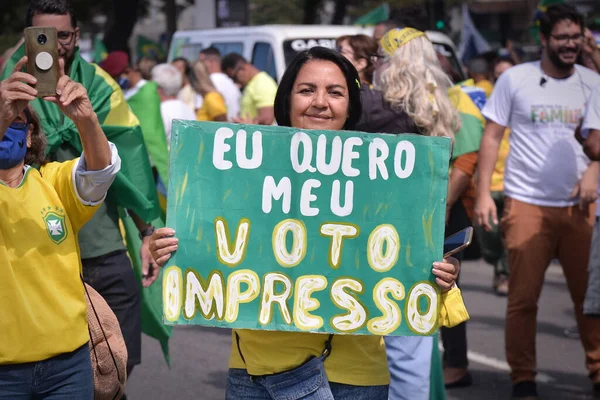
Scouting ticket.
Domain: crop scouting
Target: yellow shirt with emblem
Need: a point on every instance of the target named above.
(354, 360)
(42, 303)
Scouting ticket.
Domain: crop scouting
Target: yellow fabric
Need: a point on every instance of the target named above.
(42, 304)
(355, 359)
(212, 107)
(452, 308)
(497, 184)
(487, 87)
(258, 93)
(396, 38)
(120, 114)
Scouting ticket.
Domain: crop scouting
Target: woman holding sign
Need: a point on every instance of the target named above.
(320, 90)
(44, 349)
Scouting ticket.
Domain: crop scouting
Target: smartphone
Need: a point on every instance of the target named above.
(41, 46)
(457, 242)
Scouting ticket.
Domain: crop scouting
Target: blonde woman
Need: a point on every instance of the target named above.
(412, 88)
(412, 96)
(213, 108)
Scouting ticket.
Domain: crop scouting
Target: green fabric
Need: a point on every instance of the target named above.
(134, 187)
(145, 104)
(100, 51)
(437, 389)
(376, 16)
(152, 324)
(468, 138)
(149, 48)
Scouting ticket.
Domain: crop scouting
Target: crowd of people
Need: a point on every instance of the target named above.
(524, 171)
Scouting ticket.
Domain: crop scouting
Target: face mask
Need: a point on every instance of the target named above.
(123, 82)
(13, 145)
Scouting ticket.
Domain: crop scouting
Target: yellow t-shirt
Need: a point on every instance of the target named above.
(258, 93)
(354, 360)
(497, 183)
(42, 303)
(213, 106)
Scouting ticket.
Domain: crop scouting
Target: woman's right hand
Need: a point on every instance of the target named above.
(15, 94)
(162, 244)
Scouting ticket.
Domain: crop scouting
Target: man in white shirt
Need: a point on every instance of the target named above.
(549, 184)
(169, 81)
(211, 57)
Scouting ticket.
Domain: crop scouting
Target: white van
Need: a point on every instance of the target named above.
(271, 47)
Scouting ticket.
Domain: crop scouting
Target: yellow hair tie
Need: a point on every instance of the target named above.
(396, 38)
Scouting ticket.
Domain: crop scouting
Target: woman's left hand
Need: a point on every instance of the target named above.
(71, 97)
(446, 273)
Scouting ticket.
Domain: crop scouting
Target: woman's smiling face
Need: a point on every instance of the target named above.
(319, 98)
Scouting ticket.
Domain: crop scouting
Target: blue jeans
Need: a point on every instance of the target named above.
(308, 382)
(64, 377)
(409, 361)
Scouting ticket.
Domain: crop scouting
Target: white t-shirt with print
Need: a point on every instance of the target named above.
(230, 92)
(545, 160)
(592, 122)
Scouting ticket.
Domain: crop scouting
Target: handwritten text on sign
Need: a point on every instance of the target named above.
(321, 231)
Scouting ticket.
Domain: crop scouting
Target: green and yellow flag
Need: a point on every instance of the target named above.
(149, 48)
(145, 104)
(134, 187)
(468, 138)
(100, 52)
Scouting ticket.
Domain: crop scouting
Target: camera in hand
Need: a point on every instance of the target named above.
(42, 39)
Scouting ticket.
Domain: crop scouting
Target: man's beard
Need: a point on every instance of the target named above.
(554, 56)
(68, 58)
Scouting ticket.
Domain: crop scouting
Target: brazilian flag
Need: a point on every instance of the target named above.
(468, 138)
(145, 104)
(134, 188)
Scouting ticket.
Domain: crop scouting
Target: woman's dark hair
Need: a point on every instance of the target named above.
(36, 154)
(556, 13)
(283, 97)
(364, 47)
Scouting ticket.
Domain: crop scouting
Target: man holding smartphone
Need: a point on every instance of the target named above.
(106, 265)
(549, 184)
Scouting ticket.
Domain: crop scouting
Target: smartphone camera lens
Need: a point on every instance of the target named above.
(42, 39)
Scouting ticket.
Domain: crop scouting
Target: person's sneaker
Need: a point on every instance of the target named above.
(572, 332)
(526, 390)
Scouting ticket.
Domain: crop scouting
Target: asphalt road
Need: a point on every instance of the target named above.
(199, 355)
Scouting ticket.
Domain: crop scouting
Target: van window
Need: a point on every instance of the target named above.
(264, 59)
(229, 47)
(181, 47)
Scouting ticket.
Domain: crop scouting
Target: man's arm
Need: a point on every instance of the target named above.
(485, 207)
(591, 145)
(462, 172)
(265, 116)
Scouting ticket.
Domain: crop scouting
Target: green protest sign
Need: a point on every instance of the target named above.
(322, 231)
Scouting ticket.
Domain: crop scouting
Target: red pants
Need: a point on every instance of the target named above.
(535, 235)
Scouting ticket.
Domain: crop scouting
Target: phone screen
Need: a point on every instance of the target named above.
(458, 239)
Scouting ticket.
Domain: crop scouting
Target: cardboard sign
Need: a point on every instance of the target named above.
(290, 230)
